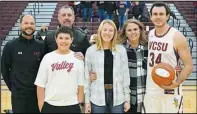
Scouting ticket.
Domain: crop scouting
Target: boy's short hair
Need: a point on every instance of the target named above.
(64, 29)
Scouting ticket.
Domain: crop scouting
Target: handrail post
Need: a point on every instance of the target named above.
(18, 32)
(30, 12)
(38, 7)
(191, 45)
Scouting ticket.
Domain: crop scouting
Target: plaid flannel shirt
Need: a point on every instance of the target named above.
(137, 60)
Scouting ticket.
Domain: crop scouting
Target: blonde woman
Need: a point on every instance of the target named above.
(109, 92)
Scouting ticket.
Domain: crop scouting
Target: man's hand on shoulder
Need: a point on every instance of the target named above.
(79, 55)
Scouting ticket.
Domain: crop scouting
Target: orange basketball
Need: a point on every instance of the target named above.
(163, 74)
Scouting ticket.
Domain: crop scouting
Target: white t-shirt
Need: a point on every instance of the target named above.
(60, 75)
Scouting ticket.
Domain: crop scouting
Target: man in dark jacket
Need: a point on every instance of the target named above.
(19, 65)
(66, 17)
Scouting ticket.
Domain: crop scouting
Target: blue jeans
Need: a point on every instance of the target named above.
(109, 16)
(101, 14)
(109, 108)
(87, 13)
(121, 19)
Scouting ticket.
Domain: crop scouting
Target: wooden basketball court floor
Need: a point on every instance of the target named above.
(189, 93)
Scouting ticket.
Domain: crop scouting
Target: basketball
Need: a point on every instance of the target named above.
(163, 74)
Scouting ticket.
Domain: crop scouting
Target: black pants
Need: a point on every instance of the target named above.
(133, 109)
(47, 108)
(25, 104)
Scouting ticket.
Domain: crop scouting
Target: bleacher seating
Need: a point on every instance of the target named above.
(93, 26)
(10, 12)
(187, 10)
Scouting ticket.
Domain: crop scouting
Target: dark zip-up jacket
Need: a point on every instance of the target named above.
(20, 62)
(80, 41)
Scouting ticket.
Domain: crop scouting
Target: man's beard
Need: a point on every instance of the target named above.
(66, 25)
(25, 33)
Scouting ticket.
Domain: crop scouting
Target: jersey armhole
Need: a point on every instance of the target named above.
(175, 49)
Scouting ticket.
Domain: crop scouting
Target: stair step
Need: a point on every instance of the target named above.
(42, 7)
(179, 17)
(186, 9)
(10, 37)
(2, 48)
(4, 42)
(194, 48)
(15, 33)
(190, 34)
(17, 28)
(41, 10)
(194, 38)
(192, 77)
(188, 16)
(189, 82)
(187, 29)
(194, 61)
(194, 53)
(41, 13)
(38, 24)
(40, 20)
(44, 4)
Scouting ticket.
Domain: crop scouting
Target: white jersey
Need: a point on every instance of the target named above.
(161, 49)
(60, 75)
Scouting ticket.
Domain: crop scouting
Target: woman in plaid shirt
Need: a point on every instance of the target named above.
(110, 91)
(135, 41)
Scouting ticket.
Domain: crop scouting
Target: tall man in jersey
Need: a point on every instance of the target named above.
(166, 44)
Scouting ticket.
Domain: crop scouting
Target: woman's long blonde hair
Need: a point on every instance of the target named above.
(99, 39)
(143, 38)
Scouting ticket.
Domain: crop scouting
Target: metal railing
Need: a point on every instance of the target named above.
(34, 9)
(174, 18)
(18, 32)
(173, 22)
(36, 6)
(178, 23)
(39, 4)
(190, 41)
(30, 12)
(191, 45)
(184, 31)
